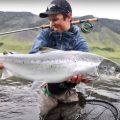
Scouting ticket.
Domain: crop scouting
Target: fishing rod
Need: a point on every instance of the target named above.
(86, 26)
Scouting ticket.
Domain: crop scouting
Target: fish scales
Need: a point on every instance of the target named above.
(58, 66)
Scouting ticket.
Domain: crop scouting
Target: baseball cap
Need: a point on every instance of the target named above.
(56, 7)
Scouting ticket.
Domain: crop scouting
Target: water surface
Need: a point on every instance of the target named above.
(18, 102)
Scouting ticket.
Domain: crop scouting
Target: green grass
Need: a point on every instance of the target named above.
(24, 47)
(12, 45)
(103, 39)
(113, 55)
(110, 55)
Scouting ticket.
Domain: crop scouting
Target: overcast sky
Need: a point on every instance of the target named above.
(102, 8)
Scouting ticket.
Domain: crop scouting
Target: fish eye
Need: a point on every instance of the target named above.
(117, 70)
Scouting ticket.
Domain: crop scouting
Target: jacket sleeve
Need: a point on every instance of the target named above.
(41, 41)
(81, 44)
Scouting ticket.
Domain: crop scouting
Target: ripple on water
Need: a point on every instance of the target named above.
(103, 90)
(17, 103)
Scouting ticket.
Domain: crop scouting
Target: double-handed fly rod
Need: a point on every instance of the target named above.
(86, 26)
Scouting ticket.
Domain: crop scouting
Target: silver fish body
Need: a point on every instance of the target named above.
(58, 66)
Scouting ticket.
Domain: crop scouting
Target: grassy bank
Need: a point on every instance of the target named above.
(24, 47)
(112, 53)
(13, 45)
(115, 56)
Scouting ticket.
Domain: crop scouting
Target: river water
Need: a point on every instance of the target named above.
(18, 102)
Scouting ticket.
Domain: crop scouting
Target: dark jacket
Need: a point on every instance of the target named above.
(70, 40)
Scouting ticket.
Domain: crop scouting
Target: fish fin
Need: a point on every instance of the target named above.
(6, 74)
(46, 49)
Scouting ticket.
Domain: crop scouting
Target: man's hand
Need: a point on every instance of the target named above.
(1, 66)
(77, 79)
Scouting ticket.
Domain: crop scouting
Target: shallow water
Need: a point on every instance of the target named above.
(17, 100)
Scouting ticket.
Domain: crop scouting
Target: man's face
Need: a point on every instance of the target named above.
(58, 22)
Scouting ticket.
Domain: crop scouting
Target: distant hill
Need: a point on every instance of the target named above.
(19, 20)
(105, 35)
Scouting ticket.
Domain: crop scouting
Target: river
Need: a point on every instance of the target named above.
(18, 102)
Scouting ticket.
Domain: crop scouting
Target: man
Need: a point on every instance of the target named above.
(64, 36)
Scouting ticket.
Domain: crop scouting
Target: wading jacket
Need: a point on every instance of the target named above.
(70, 40)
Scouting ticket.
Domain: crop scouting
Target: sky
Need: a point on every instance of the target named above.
(98, 8)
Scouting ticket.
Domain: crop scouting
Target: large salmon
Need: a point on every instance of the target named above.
(58, 66)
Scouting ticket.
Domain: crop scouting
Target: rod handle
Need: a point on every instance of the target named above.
(45, 26)
(73, 22)
(88, 20)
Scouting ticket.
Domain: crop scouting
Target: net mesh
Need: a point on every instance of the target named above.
(98, 110)
(93, 110)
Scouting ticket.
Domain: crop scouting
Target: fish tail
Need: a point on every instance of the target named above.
(6, 74)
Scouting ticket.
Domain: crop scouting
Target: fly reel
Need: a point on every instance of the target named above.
(86, 27)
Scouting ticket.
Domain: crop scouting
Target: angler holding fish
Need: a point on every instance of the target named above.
(61, 69)
(63, 36)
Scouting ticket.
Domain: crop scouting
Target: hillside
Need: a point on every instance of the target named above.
(104, 39)
(19, 20)
(106, 32)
